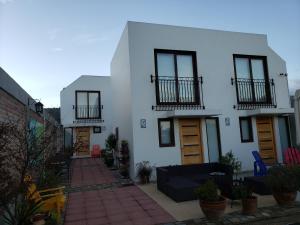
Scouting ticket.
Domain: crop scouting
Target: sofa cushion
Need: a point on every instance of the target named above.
(178, 182)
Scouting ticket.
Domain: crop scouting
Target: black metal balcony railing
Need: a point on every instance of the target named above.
(179, 93)
(87, 112)
(255, 93)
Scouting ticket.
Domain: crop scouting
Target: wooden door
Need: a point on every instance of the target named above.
(190, 141)
(82, 141)
(266, 141)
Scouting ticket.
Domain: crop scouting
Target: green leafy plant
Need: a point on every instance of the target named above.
(230, 159)
(242, 191)
(144, 171)
(283, 178)
(208, 191)
(124, 159)
(111, 142)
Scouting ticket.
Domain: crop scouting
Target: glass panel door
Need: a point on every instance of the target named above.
(243, 75)
(284, 134)
(166, 77)
(213, 139)
(185, 78)
(94, 105)
(259, 82)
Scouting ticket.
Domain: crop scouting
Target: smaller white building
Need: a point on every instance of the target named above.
(86, 112)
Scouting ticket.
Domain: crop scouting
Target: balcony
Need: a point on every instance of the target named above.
(178, 93)
(254, 93)
(85, 113)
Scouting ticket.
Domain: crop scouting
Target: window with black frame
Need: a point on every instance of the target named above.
(252, 79)
(246, 129)
(166, 132)
(176, 77)
(88, 105)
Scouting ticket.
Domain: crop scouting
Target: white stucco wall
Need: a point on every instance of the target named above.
(67, 101)
(215, 51)
(122, 95)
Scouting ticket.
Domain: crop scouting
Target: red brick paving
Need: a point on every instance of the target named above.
(90, 171)
(117, 206)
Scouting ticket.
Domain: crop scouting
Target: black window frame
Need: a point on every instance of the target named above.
(172, 137)
(97, 132)
(266, 78)
(249, 121)
(76, 105)
(195, 76)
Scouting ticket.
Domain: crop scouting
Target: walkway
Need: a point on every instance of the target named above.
(105, 202)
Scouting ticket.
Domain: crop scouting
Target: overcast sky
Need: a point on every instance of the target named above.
(47, 44)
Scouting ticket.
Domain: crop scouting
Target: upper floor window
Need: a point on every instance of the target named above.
(176, 76)
(87, 105)
(251, 75)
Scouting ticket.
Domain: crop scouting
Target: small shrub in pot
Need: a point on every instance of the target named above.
(284, 182)
(144, 171)
(211, 203)
(249, 201)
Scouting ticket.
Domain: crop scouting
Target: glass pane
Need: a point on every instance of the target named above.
(165, 132)
(166, 74)
(242, 68)
(245, 130)
(185, 78)
(244, 85)
(185, 66)
(94, 105)
(82, 98)
(259, 80)
(165, 65)
(284, 134)
(257, 69)
(212, 140)
(82, 103)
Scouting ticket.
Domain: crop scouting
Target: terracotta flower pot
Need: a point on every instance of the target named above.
(213, 210)
(249, 205)
(144, 179)
(285, 198)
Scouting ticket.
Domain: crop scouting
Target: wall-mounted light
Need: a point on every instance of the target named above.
(39, 107)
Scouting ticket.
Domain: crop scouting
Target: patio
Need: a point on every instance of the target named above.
(109, 204)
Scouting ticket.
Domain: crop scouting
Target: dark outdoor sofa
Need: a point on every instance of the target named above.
(179, 182)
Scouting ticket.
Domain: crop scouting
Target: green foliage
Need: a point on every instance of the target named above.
(208, 191)
(144, 169)
(50, 179)
(111, 142)
(283, 178)
(231, 160)
(124, 159)
(242, 191)
(109, 158)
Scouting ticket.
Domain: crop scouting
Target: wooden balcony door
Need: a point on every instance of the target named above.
(190, 141)
(82, 141)
(266, 141)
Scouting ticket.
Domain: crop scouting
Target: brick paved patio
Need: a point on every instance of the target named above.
(116, 205)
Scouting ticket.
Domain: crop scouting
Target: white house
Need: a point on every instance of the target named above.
(86, 111)
(185, 95)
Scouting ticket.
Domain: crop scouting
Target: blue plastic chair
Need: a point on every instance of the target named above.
(260, 168)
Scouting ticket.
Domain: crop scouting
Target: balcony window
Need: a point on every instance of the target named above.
(252, 79)
(87, 105)
(176, 77)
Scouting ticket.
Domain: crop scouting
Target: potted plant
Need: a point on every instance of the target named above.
(124, 159)
(144, 171)
(211, 203)
(249, 201)
(284, 182)
(109, 158)
(230, 159)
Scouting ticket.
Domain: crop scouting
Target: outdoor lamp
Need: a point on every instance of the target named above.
(39, 107)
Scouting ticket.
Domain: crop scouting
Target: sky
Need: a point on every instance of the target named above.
(47, 44)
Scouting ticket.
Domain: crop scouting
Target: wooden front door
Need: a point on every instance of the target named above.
(266, 141)
(190, 141)
(82, 141)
